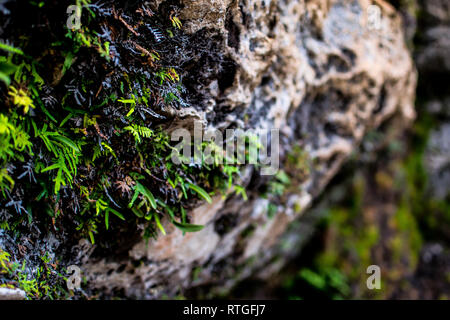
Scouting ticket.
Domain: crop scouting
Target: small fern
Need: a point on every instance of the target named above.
(21, 99)
(13, 142)
(106, 150)
(139, 132)
(103, 206)
(176, 23)
(66, 154)
(168, 74)
(147, 197)
(20, 139)
(6, 182)
(131, 102)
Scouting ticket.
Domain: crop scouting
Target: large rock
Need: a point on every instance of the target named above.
(318, 71)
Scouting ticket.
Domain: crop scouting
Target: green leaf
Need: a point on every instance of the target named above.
(130, 112)
(283, 177)
(5, 78)
(137, 212)
(313, 278)
(166, 207)
(37, 78)
(59, 181)
(67, 142)
(127, 101)
(107, 219)
(140, 189)
(4, 46)
(52, 167)
(186, 227)
(147, 194)
(91, 235)
(68, 61)
(201, 192)
(183, 215)
(158, 223)
(135, 195)
(183, 188)
(116, 213)
(47, 113)
(6, 69)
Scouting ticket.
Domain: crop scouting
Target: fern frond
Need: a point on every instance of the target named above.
(21, 99)
(148, 198)
(139, 132)
(6, 182)
(98, 151)
(66, 152)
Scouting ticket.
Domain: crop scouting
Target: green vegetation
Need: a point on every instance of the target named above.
(46, 282)
(83, 144)
(296, 170)
(78, 150)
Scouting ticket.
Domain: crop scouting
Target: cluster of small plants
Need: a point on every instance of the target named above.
(83, 145)
(46, 282)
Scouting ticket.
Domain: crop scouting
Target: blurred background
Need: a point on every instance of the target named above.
(390, 208)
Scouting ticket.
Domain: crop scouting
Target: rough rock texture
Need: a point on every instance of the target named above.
(315, 70)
